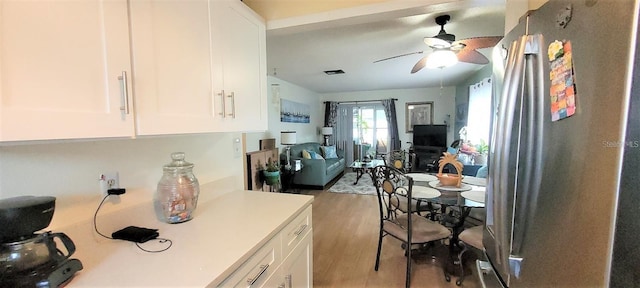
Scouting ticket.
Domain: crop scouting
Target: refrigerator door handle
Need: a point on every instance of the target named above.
(510, 96)
(532, 119)
(498, 176)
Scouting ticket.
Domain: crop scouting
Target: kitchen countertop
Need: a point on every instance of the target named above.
(225, 231)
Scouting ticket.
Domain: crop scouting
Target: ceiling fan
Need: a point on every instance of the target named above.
(447, 51)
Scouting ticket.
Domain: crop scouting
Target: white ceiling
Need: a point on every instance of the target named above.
(300, 53)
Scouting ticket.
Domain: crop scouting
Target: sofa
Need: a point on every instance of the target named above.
(316, 172)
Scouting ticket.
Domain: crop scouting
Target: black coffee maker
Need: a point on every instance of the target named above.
(27, 258)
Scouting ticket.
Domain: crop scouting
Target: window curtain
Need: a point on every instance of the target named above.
(390, 112)
(330, 114)
(331, 117)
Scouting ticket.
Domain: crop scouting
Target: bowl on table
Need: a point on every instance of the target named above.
(449, 179)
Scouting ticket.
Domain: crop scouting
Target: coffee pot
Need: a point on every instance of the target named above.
(27, 258)
(34, 252)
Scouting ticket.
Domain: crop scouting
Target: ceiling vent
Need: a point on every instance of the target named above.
(334, 72)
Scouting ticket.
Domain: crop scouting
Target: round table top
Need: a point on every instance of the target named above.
(473, 197)
(423, 192)
(422, 177)
(475, 181)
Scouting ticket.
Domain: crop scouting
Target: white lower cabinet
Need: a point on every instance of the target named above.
(297, 268)
(275, 265)
(260, 266)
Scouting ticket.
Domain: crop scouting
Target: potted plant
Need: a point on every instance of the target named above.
(272, 172)
(482, 150)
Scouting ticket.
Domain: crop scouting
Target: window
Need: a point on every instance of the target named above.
(370, 125)
(479, 116)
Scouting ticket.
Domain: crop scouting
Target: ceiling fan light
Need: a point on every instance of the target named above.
(441, 59)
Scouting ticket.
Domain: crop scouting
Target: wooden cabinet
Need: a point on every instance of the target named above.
(293, 269)
(69, 70)
(60, 64)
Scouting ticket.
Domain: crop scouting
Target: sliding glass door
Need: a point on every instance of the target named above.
(364, 125)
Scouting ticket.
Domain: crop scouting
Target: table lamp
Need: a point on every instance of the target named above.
(288, 138)
(326, 132)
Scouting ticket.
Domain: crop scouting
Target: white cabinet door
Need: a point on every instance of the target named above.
(239, 37)
(59, 67)
(172, 60)
(297, 268)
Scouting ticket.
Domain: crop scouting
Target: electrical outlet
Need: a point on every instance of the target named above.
(108, 181)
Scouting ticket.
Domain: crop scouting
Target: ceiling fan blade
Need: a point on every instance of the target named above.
(419, 65)
(434, 42)
(472, 56)
(479, 42)
(398, 56)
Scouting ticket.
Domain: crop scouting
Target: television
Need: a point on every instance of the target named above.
(430, 135)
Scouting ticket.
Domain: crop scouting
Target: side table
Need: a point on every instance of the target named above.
(287, 176)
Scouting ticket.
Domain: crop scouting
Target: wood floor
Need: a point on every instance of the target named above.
(345, 241)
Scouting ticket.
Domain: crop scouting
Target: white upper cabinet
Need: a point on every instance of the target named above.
(198, 67)
(172, 58)
(60, 63)
(239, 47)
(98, 69)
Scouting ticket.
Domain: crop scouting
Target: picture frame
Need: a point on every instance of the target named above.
(418, 113)
(294, 112)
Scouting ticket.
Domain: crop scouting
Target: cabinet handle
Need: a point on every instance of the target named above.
(299, 231)
(289, 281)
(283, 285)
(224, 103)
(253, 280)
(233, 105)
(124, 93)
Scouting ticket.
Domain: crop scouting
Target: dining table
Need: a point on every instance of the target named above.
(470, 195)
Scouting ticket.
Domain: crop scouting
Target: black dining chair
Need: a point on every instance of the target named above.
(393, 186)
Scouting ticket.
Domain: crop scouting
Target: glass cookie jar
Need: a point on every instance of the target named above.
(178, 190)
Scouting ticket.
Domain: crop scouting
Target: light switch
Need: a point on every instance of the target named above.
(236, 148)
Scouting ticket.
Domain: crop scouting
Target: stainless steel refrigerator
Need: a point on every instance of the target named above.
(563, 192)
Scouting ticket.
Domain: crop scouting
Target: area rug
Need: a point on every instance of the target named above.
(345, 185)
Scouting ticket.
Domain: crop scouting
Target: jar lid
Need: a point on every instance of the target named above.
(178, 162)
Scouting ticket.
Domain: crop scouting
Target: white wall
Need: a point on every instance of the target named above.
(69, 171)
(443, 99)
(306, 132)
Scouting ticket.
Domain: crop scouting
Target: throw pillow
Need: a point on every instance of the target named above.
(315, 155)
(329, 152)
(305, 154)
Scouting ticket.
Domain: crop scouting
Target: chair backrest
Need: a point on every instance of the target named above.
(397, 159)
(392, 187)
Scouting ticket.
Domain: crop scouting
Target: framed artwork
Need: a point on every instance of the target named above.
(418, 113)
(294, 112)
